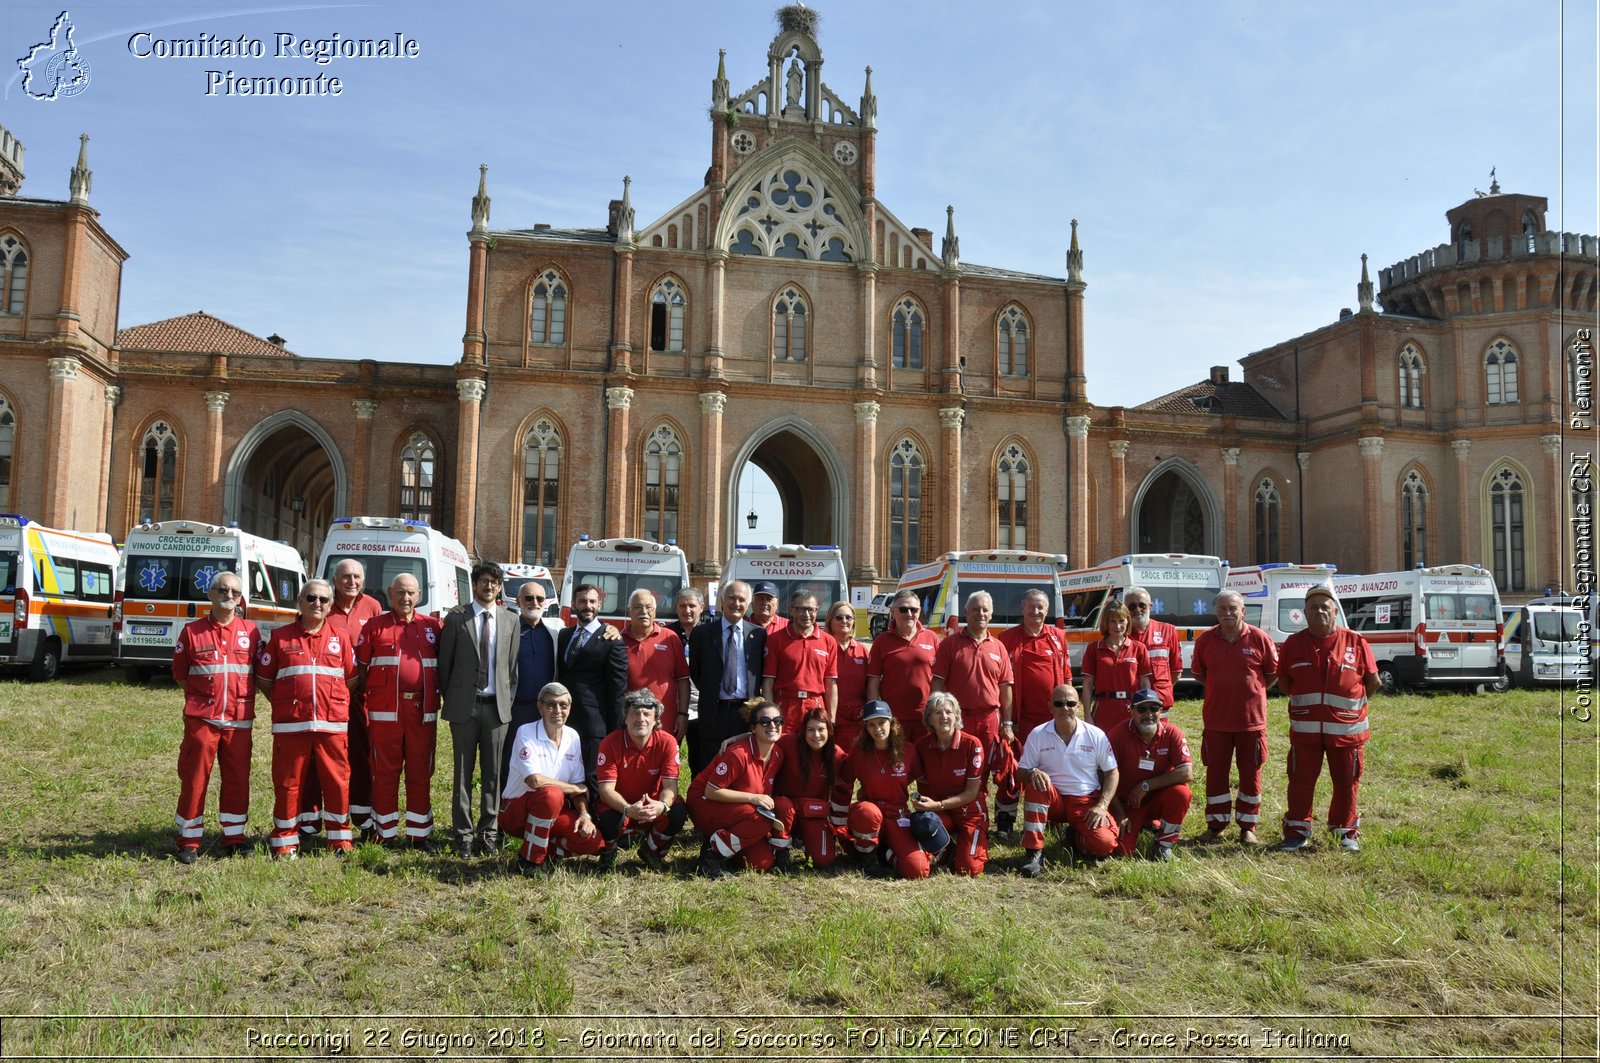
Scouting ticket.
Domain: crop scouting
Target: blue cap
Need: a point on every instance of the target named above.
(1146, 697)
(764, 588)
(876, 710)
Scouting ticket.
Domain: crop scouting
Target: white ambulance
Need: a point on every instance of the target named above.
(391, 546)
(165, 575)
(1007, 575)
(1428, 626)
(818, 569)
(1275, 595)
(1183, 591)
(57, 592)
(619, 567)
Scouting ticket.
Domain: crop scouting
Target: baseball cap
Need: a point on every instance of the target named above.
(1321, 588)
(769, 589)
(876, 710)
(1146, 697)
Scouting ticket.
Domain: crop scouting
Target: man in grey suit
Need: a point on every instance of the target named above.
(477, 675)
(724, 687)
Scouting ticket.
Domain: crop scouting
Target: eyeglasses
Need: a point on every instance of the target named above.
(907, 609)
(1066, 704)
(769, 721)
(227, 592)
(533, 601)
(315, 599)
(812, 610)
(1138, 607)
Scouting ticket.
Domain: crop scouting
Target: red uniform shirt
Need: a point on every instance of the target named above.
(1165, 650)
(1138, 760)
(1115, 671)
(402, 660)
(1235, 676)
(802, 775)
(797, 663)
(364, 609)
(739, 767)
(656, 663)
(904, 669)
(310, 677)
(852, 666)
(946, 772)
(1039, 664)
(637, 773)
(882, 781)
(1326, 680)
(973, 671)
(212, 665)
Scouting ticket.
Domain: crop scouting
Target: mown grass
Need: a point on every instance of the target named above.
(1475, 896)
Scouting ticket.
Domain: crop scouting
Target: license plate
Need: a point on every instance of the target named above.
(1443, 654)
(148, 629)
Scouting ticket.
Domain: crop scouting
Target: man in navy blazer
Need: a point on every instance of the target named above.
(594, 669)
(722, 691)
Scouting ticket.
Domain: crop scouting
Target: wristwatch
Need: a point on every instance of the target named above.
(1145, 786)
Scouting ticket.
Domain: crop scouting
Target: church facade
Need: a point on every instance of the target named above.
(617, 380)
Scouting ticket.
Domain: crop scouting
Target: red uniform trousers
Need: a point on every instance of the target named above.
(1218, 752)
(739, 831)
(985, 727)
(407, 743)
(969, 840)
(1345, 763)
(870, 821)
(794, 710)
(203, 744)
(544, 820)
(1042, 807)
(359, 750)
(807, 818)
(1162, 812)
(325, 755)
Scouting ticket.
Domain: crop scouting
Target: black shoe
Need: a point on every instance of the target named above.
(464, 848)
(187, 855)
(1005, 827)
(236, 850)
(340, 854)
(425, 845)
(653, 861)
(488, 844)
(608, 859)
(781, 864)
(528, 869)
(713, 866)
(1033, 866)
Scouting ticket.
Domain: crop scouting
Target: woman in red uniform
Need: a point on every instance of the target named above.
(883, 766)
(949, 818)
(807, 788)
(853, 655)
(731, 799)
(1113, 668)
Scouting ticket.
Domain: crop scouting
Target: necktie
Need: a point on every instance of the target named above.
(579, 638)
(731, 665)
(483, 650)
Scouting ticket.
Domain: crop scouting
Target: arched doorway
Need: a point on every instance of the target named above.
(809, 479)
(1176, 513)
(286, 481)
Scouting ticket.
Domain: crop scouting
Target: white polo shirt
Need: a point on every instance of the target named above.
(535, 754)
(1074, 767)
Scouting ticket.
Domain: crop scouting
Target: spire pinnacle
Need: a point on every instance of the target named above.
(869, 104)
(625, 213)
(81, 179)
(719, 84)
(480, 202)
(951, 250)
(1494, 182)
(1364, 289)
(1074, 258)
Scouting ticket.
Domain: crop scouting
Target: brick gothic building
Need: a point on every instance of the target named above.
(617, 380)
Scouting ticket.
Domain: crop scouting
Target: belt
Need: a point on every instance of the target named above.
(410, 695)
(731, 701)
(801, 695)
(488, 697)
(1120, 695)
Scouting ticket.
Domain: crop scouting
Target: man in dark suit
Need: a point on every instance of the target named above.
(595, 670)
(477, 676)
(723, 688)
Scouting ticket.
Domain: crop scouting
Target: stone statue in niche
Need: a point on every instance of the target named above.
(791, 99)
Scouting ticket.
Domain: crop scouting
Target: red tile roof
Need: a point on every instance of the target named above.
(198, 332)
(1238, 398)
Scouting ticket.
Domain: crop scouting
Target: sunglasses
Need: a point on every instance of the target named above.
(769, 721)
(907, 609)
(316, 599)
(227, 592)
(533, 601)
(1066, 704)
(1135, 607)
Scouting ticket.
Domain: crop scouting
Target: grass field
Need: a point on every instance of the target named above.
(1467, 926)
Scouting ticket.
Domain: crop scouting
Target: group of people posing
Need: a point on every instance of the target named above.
(800, 737)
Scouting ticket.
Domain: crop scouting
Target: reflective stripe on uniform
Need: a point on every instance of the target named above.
(325, 726)
(219, 669)
(309, 669)
(383, 717)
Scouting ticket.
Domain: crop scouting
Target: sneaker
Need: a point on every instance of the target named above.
(1349, 844)
(1005, 827)
(713, 866)
(1212, 836)
(1164, 854)
(608, 859)
(286, 854)
(339, 854)
(1033, 866)
(425, 845)
(187, 855)
(654, 861)
(1248, 837)
(528, 869)
(1294, 844)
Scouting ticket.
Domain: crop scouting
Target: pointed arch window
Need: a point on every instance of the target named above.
(13, 275)
(1013, 339)
(667, 305)
(1410, 378)
(416, 478)
(158, 480)
(1413, 520)
(8, 431)
(906, 336)
(1012, 492)
(905, 507)
(1269, 513)
(663, 461)
(789, 327)
(547, 317)
(541, 492)
(1500, 374)
(1506, 494)
(789, 212)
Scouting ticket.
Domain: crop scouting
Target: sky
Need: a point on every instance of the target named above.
(1228, 163)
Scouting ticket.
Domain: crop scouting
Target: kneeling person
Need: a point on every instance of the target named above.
(1153, 769)
(637, 771)
(949, 802)
(546, 801)
(1069, 775)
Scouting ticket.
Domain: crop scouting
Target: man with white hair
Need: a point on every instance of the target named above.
(1237, 662)
(1328, 672)
(975, 666)
(1153, 771)
(1160, 642)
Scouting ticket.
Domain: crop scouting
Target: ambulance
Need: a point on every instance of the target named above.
(619, 567)
(391, 546)
(818, 569)
(1183, 591)
(517, 574)
(944, 585)
(57, 592)
(1428, 626)
(165, 575)
(1275, 595)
